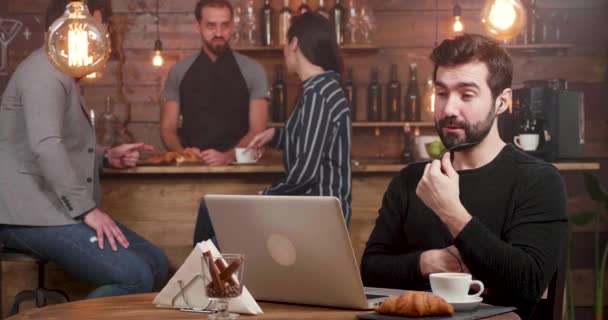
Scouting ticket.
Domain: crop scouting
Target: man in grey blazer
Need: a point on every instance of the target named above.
(49, 182)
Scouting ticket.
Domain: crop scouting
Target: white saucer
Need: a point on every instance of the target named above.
(466, 305)
(245, 162)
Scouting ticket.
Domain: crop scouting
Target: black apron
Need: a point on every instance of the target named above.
(214, 103)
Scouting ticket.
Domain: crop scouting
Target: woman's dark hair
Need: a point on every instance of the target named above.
(56, 9)
(317, 41)
(473, 47)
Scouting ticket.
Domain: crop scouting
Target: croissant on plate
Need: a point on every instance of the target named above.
(173, 157)
(416, 304)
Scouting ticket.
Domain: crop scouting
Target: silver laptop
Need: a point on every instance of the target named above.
(297, 249)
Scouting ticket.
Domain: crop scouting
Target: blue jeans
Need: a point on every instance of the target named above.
(140, 268)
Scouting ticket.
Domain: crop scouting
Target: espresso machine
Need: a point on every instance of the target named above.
(557, 116)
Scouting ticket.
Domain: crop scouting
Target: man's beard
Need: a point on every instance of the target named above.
(217, 49)
(473, 133)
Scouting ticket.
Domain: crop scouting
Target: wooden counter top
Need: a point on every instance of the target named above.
(278, 168)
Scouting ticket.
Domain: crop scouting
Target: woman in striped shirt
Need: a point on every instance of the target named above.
(316, 139)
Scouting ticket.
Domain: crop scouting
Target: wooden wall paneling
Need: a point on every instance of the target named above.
(187, 6)
(28, 6)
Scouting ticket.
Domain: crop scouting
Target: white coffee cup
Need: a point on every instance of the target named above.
(454, 287)
(527, 141)
(244, 155)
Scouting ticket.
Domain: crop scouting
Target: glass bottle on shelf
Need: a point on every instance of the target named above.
(352, 24)
(407, 153)
(304, 7)
(279, 96)
(338, 21)
(367, 24)
(266, 15)
(393, 96)
(428, 101)
(535, 24)
(236, 19)
(350, 89)
(108, 125)
(284, 22)
(322, 10)
(412, 98)
(250, 25)
(374, 97)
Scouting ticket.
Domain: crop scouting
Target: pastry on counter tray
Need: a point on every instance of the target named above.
(174, 157)
(416, 304)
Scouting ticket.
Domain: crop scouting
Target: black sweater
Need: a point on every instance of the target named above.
(512, 244)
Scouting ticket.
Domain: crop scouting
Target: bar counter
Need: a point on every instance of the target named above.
(161, 202)
(278, 168)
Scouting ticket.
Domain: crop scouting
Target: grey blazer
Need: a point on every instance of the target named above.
(49, 165)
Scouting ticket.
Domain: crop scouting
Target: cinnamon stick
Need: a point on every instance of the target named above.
(215, 273)
(222, 266)
(227, 273)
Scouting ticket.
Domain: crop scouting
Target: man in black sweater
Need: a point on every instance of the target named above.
(491, 210)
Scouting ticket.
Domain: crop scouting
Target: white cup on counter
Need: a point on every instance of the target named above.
(245, 156)
(527, 141)
(454, 287)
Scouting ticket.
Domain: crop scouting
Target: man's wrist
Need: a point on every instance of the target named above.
(425, 263)
(457, 219)
(230, 155)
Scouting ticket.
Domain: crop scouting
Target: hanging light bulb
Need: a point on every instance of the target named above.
(157, 60)
(458, 26)
(76, 43)
(503, 18)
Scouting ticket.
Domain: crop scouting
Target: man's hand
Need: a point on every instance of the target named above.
(261, 139)
(194, 150)
(126, 155)
(442, 260)
(440, 191)
(105, 228)
(215, 158)
(438, 188)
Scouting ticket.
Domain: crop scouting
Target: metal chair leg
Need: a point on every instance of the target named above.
(56, 295)
(19, 298)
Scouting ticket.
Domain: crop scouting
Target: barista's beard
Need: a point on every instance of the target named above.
(217, 49)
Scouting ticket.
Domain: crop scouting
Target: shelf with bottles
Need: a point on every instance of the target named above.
(345, 47)
(265, 29)
(540, 48)
(374, 124)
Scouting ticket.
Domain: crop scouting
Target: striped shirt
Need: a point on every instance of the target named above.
(316, 143)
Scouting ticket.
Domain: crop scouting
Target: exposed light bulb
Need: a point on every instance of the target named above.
(502, 15)
(76, 43)
(503, 18)
(458, 26)
(92, 76)
(158, 60)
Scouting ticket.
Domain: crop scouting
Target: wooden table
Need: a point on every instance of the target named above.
(140, 307)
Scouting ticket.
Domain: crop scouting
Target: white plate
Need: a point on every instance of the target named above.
(467, 305)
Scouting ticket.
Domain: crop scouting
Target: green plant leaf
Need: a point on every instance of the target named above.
(583, 218)
(595, 190)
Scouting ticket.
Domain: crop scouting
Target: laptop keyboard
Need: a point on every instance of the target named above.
(374, 296)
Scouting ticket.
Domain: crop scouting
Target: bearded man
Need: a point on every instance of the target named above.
(216, 99)
(485, 208)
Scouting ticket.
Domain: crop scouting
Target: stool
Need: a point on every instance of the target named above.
(40, 295)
